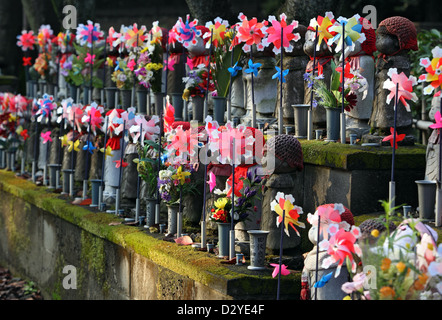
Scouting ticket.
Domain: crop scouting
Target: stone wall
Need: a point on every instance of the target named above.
(41, 234)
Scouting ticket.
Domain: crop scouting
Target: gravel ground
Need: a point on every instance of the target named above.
(14, 288)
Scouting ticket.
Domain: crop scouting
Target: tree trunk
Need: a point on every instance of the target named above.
(208, 10)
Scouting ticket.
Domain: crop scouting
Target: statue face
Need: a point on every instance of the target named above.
(387, 43)
(309, 45)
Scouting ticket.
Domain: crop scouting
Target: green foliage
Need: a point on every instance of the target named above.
(80, 72)
(427, 40)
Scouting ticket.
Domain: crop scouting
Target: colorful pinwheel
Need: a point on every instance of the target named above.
(292, 212)
(187, 31)
(107, 152)
(27, 61)
(433, 68)
(74, 146)
(324, 24)
(438, 118)
(284, 270)
(212, 181)
(217, 32)
(44, 37)
(134, 37)
(353, 33)
(88, 34)
(405, 91)
(45, 106)
(89, 58)
(64, 141)
(274, 34)
(120, 163)
(93, 113)
(234, 69)
(399, 137)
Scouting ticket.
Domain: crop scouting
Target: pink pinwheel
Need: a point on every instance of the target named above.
(113, 38)
(169, 64)
(179, 145)
(76, 114)
(399, 137)
(405, 91)
(251, 32)
(46, 137)
(342, 245)
(89, 58)
(331, 220)
(131, 65)
(150, 128)
(44, 37)
(120, 163)
(212, 181)
(438, 119)
(284, 270)
(26, 40)
(64, 109)
(274, 34)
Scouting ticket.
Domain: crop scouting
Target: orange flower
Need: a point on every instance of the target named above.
(420, 282)
(387, 293)
(385, 264)
(400, 266)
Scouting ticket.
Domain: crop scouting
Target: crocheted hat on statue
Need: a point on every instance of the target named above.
(346, 216)
(403, 29)
(369, 44)
(286, 149)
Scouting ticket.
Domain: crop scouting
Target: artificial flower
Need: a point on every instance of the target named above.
(181, 175)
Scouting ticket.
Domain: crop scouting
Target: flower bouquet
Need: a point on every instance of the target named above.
(399, 264)
(332, 98)
(156, 50)
(222, 39)
(123, 76)
(247, 190)
(172, 179)
(196, 82)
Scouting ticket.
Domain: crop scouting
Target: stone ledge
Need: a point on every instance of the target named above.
(352, 157)
(227, 280)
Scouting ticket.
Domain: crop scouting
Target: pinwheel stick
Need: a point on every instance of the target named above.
(232, 218)
(86, 169)
(280, 125)
(310, 111)
(91, 63)
(280, 254)
(103, 161)
(203, 223)
(34, 162)
(206, 106)
(317, 255)
(392, 189)
(229, 101)
(157, 207)
(253, 97)
(343, 125)
(438, 215)
(104, 69)
(137, 201)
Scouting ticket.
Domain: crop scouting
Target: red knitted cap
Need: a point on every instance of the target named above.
(404, 29)
(369, 45)
(346, 216)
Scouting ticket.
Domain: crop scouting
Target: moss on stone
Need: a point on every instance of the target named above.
(351, 157)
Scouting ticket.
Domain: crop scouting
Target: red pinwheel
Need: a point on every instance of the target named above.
(27, 61)
(169, 116)
(24, 134)
(120, 163)
(251, 33)
(399, 137)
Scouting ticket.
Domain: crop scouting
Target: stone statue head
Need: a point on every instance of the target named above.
(288, 153)
(396, 34)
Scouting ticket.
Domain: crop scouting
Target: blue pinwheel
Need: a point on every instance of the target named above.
(278, 75)
(253, 67)
(234, 70)
(323, 281)
(89, 147)
(117, 67)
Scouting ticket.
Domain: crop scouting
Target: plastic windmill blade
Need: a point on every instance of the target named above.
(253, 67)
(274, 34)
(323, 23)
(212, 181)
(438, 119)
(46, 137)
(433, 67)
(217, 31)
(399, 137)
(284, 271)
(405, 90)
(278, 75)
(64, 140)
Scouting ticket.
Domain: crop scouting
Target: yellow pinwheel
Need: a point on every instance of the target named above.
(74, 146)
(180, 175)
(107, 152)
(282, 203)
(64, 141)
(323, 23)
